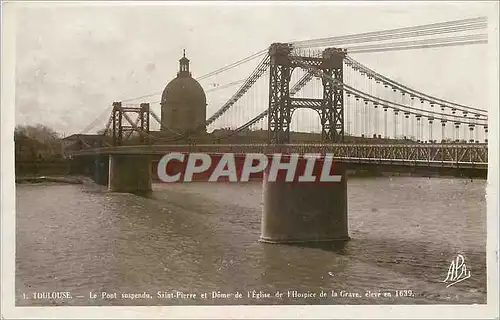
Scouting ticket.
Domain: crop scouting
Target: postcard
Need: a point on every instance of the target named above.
(249, 159)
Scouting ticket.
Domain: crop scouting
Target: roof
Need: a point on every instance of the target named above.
(184, 91)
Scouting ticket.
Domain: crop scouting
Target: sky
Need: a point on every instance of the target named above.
(74, 60)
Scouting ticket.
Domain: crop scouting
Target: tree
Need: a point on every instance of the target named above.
(35, 142)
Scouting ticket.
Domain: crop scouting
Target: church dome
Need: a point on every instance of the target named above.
(184, 89)
(183, 102)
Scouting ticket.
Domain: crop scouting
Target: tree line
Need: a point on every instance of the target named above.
(36, 143)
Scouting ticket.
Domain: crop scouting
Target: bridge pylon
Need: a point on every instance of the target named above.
(281, 106)
(280, 113)
(141, 125)
(332, 109)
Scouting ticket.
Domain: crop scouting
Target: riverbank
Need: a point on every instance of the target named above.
(56, 179)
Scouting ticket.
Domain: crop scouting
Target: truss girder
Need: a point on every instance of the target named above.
(432, 155)
(309, 103)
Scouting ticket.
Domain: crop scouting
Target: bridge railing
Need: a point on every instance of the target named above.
(446, 155)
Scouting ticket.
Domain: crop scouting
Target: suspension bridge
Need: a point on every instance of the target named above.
(333, 95)
(309, 96)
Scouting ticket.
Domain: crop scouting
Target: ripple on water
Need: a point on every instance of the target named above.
(201, 237)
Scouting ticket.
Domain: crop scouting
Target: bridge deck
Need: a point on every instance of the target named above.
(435, 155)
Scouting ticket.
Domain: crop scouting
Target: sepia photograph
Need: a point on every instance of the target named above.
(307, 159)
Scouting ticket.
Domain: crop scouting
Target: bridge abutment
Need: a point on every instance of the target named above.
(130, 173)
(305, 212)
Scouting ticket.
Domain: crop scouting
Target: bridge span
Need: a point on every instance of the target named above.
(427, 155)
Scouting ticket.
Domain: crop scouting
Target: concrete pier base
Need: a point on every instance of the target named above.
(100, 171)
(305, 212)
(130, 173)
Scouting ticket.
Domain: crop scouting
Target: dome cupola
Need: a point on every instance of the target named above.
(184, 66)
(183, 102)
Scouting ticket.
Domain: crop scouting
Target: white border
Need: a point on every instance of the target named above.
(9, 311)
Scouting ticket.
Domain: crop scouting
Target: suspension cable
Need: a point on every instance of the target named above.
(409, 90)
(392, 32)
(369, 97)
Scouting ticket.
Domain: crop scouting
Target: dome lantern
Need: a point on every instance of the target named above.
(184, 66)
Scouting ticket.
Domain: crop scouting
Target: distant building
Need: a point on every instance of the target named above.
(183, 103)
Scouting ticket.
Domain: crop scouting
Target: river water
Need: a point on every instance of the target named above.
(202, 239)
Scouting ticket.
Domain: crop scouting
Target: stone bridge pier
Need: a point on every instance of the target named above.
(130, 173)
(121, 173)
(305, 212)
(100, 170)
(93, 166)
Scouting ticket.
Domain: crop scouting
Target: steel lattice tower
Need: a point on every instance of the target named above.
(281, 105)
(332, 111)
(118, 128)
